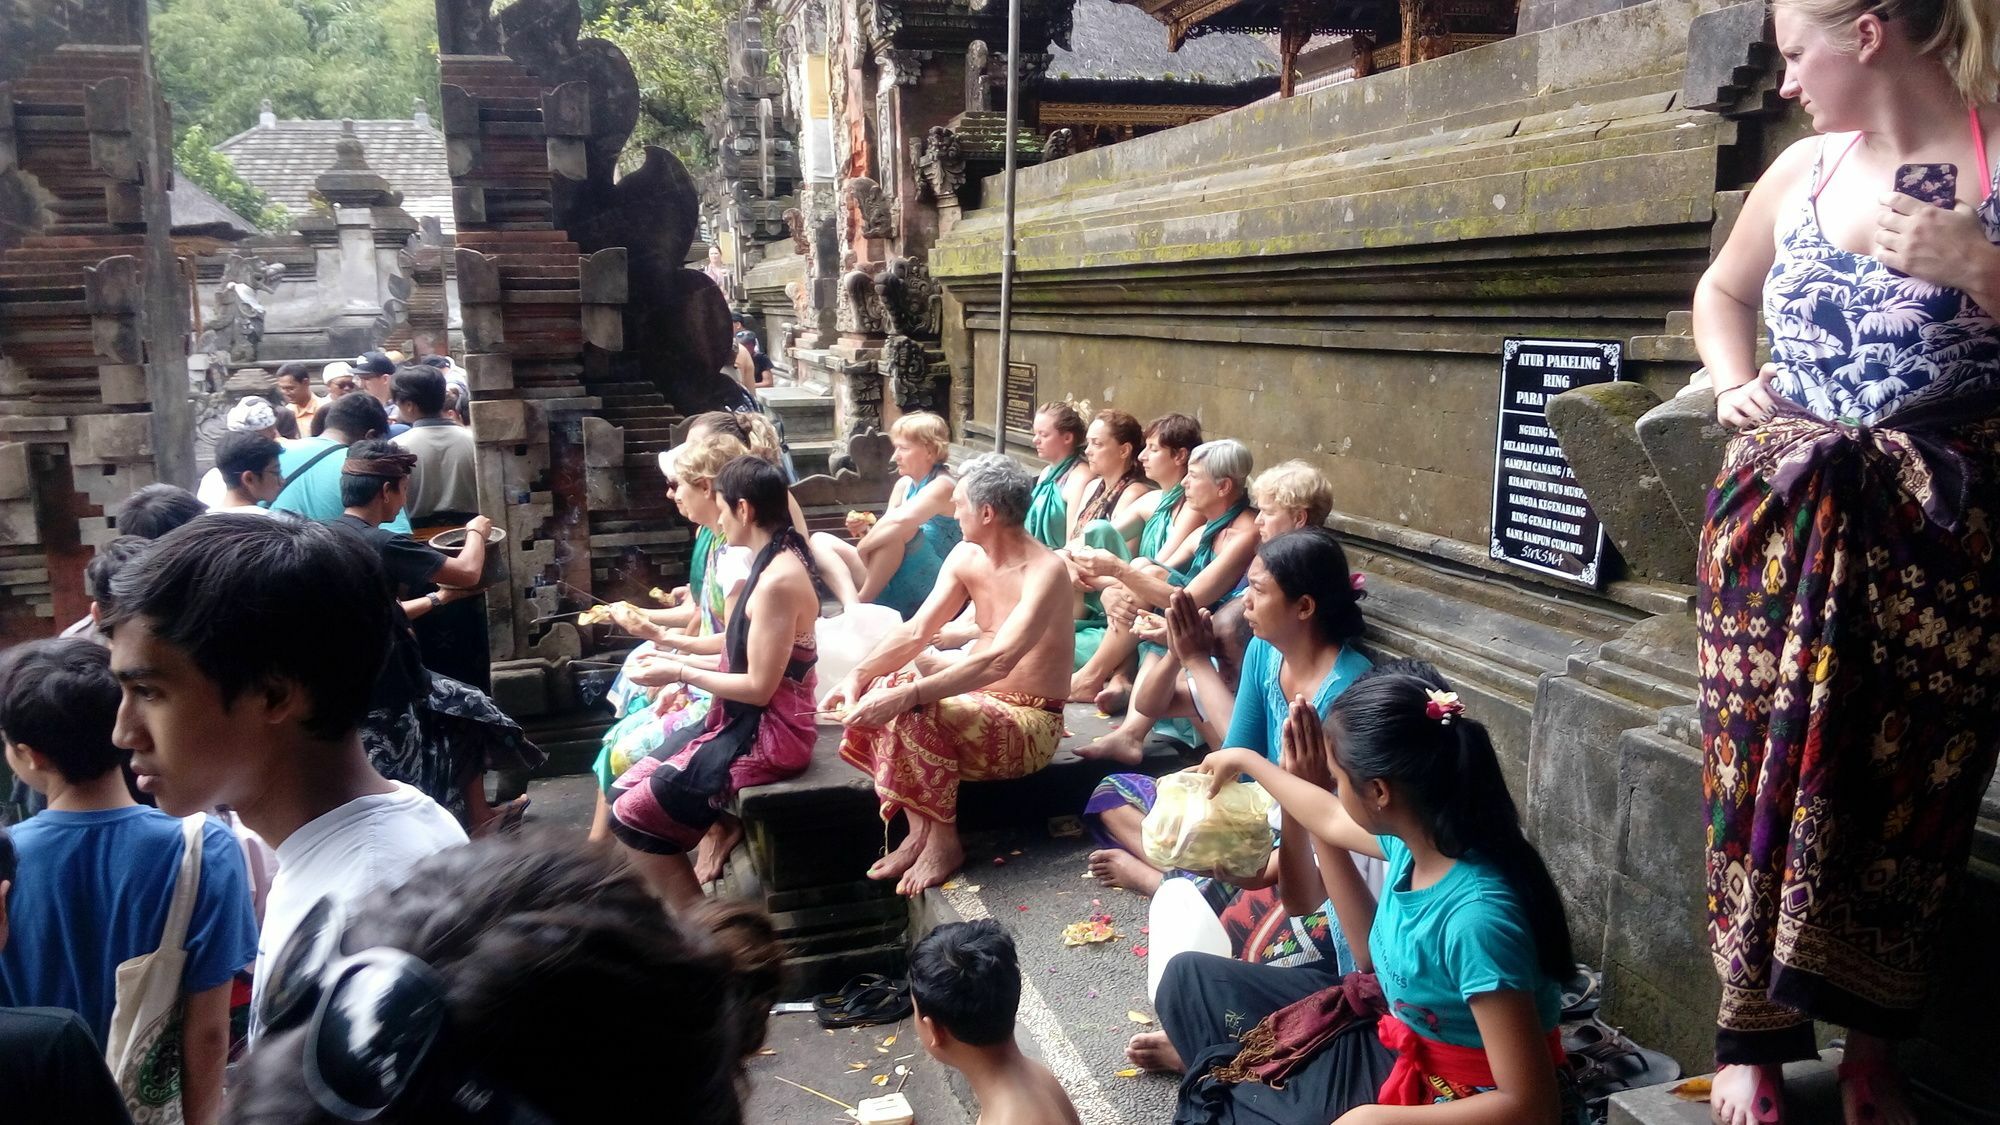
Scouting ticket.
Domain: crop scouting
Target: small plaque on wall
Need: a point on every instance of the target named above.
(1541, 518)
(1021, 400)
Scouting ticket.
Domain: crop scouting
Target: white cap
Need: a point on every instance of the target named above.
(252, 413)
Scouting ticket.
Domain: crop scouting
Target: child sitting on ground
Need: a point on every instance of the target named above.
(966, 985)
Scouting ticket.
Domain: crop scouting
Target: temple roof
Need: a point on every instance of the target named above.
(195, 211)
(1187, 20)
(284, 158)
(1118, 42)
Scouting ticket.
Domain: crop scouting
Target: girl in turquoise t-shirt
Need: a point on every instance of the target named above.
(1469, 939)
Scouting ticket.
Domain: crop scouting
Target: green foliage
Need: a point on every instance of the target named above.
(315, 59)
(196, 158)
(678, 52)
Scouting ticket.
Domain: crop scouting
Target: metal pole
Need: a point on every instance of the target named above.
(1007, 235)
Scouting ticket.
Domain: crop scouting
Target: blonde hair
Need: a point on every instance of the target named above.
(755, 431)
(921, 427)
(1964, 34)
(1294, 484)
(703, 458)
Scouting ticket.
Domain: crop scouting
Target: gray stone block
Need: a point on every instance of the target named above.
(1597, 428)
(1684, 444)
(521, 688)
(1727, 51)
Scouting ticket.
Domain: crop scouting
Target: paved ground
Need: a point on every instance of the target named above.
(1075, 1001)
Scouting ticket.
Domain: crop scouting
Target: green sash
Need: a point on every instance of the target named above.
(1154, 535)
(704, 542)
(1048, 513)
(1204, 548)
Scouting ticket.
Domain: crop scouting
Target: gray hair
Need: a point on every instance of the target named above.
(997, 481)
(1225, 459)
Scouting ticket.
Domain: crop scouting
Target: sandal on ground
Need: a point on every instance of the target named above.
(506, 818)
(1604, 1062)
(1581, 994)
(868, 999)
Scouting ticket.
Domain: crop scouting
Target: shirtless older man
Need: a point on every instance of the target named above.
(994, 713)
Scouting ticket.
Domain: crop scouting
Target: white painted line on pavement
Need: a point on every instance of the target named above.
(1057, 1051)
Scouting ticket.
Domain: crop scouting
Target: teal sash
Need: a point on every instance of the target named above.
(1204, 548)
(1048, 513)
(1154, 535)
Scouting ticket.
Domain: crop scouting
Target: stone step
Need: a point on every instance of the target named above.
(1812, 1094)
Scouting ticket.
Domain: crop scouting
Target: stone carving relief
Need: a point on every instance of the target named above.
(911, 298)
(859, 309)
(1061, 143)
(906, 366)
(941, 165)
(795, 225)
(238, 324)
(978, 82)
(868, 210)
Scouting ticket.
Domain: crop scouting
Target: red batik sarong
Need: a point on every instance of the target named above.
(919, 758)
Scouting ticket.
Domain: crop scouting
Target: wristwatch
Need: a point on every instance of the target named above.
(436, 599)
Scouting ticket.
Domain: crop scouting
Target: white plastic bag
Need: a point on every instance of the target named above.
(1228, 835)
(847, 639)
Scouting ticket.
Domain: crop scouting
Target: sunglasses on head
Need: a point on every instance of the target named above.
(379, 1032)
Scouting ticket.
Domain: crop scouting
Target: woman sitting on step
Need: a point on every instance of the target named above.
(894, 561)
(759, 729)
(1059, 436)
(1113, 514)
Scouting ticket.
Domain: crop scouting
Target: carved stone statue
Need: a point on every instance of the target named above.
(941, 165)
(978, 84)
(1061, 143)
(795, 225)
(238, 323)
(907, 366)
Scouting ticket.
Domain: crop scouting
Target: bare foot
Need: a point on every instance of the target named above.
(1083, 686)
(1115, 747)
(893, 865)
(716, 844)
(941, 858)
(1152, 1050)
(1871, 1085)
(1747, 1095)
(1114, 699)
(1116, 867)
(505, 818)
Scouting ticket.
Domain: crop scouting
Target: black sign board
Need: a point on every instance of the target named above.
(1020, 402)
(1541, 519)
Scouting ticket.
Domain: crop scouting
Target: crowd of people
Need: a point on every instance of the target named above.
(280, 850)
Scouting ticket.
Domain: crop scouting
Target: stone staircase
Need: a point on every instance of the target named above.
(807, 418)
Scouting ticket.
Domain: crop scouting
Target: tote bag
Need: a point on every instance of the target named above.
(144, 1049)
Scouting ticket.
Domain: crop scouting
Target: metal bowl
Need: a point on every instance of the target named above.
(452, 540)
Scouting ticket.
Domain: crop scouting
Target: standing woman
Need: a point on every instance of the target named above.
(760, 727)
(1059, 437)
(1847, 733)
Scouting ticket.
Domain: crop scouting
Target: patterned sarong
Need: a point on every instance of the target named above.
(1849, 621)
(918, 760)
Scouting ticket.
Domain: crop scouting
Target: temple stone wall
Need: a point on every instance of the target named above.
(1331, 277)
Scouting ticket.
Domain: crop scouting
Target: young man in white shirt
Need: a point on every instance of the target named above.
(219, 710)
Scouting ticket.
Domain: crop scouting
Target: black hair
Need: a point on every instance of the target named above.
(1309, 562)
(214, 587)
(966, 976)
(1408, 666)
(10, 861)
(103, 566)
(357, 489)
(239, 453)
(420, 385)
(157, 509)
(1446, 769)
(294, 369)
(288, 422)
(356, 415)
(532, 933)
(752, 479)
(60, 697)
(439, 362)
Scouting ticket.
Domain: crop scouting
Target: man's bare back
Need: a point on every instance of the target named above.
(1029, 1096)
(1032, 582)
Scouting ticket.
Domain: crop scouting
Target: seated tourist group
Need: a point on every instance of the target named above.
(1399, 947)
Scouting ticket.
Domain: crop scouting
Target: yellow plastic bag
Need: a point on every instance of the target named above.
(1228, 834)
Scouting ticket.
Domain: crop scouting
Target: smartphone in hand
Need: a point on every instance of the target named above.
(1936, 184)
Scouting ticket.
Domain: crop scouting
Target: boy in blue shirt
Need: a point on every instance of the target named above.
(96, 870)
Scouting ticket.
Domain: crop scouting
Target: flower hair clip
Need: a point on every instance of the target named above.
(1357, 580)
(1443, 705)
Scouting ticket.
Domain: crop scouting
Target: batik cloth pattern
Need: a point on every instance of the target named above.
(1849, 623)
(919, 758)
